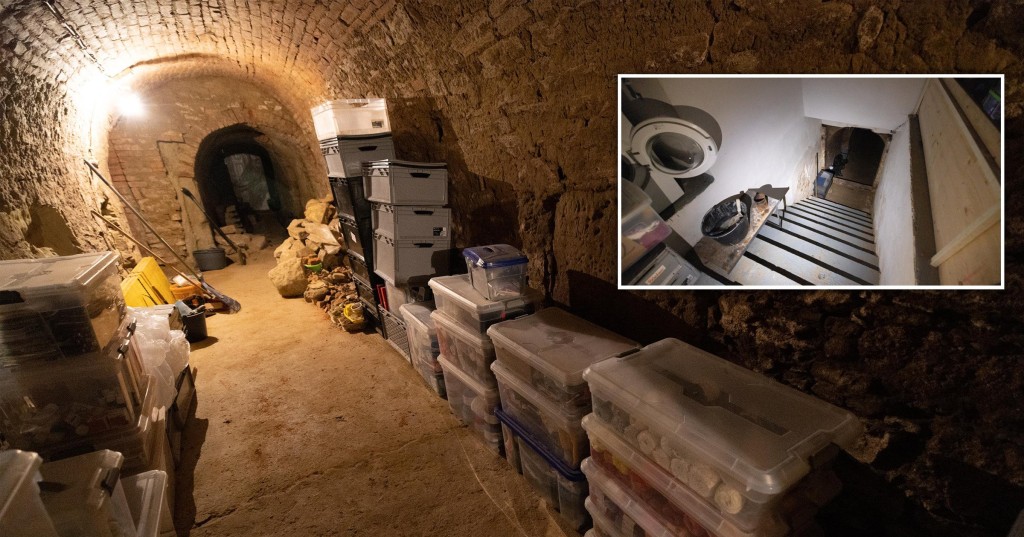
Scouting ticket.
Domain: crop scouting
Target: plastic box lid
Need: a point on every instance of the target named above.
(18, 469)
(460, 290)
(494, 255)
(750, 427)
(389, 162)
(43, 278)
(558, 343)
(419, 315)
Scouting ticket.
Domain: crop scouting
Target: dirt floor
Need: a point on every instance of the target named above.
(303, 429)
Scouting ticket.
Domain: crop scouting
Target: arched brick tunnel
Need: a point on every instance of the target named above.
(519, 98)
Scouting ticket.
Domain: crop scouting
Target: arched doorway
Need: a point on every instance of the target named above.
(861, 151)
(238, 183)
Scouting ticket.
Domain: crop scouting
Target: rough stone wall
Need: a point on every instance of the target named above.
(519, 99)
(152, 157)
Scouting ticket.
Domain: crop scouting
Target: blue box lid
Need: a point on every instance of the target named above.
(494, 255)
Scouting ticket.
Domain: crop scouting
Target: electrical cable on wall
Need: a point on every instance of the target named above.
(77, 37)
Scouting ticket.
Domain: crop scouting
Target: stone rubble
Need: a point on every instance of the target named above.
(313, 241)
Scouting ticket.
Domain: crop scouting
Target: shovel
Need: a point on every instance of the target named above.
(213, 224)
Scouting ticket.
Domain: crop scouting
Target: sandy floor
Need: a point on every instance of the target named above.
(302, 429)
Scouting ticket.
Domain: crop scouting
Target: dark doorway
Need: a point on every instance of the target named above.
(861, 149)
(237, 182)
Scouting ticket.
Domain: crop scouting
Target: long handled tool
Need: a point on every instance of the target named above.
(232, 304)
(213, 224)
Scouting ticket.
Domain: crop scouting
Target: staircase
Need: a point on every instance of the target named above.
(820, 242)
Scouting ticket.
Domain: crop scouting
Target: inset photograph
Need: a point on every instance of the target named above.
(784, 181)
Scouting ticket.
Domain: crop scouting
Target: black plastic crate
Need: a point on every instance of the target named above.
(349, 197)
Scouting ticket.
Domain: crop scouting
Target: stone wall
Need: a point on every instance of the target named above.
(520, 99)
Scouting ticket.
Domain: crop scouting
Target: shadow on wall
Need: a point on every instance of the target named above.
(47, 229)
(487, 208)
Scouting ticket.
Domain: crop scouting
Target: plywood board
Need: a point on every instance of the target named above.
(974, 264)
(961, 183)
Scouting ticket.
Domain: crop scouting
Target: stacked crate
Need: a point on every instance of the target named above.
(685, 443)
(539, 366)
(646, 260)
(461, 321)
(412, 234)
(351, 133)
(71, 377)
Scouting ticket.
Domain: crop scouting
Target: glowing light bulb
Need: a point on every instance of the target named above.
(130, 105)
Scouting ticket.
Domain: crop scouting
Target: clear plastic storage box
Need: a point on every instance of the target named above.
(617, 513)
(412, 222)
(550, 349)
(642, 228)
(146, 494)
(22, 513)
(742, 439)
(55, 404)
(470, 352)
(58, 307)
(350, 116)
(422, 335)
(404, 260)
(345, 155)
(92, 500)
(674, 502)
(497, 271)
(564, 488)
(558, 431)
(455, 296)
(400, 182)
(473, 404)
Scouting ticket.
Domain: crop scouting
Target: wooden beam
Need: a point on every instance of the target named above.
(971, 232)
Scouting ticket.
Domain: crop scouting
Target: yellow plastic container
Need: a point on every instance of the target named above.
(153, 275)
(138, 294)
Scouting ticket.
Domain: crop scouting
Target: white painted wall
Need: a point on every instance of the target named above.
(879, 104)
(894, 230)
(765, 137)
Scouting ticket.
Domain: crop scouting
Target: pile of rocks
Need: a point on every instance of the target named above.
(312, 241)
(247, 242)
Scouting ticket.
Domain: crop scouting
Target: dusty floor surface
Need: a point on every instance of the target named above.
(852, 194)
(303, 429)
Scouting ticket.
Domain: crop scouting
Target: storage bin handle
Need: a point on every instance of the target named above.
(421, 175)
(423, 244)
(422, 211)
(367, 147)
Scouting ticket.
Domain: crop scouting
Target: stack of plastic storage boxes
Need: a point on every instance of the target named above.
(71, 377)
(539, 369)
(351, 133)
(466, 353)
(85, 495)
(685, 443)
(412, 236)
(645, 259)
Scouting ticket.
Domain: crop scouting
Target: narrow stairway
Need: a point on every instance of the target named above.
(820, 242)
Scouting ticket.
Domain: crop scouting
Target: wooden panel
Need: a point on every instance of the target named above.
(974, 264)
(962, 185)
(832, 227)
(838, 208)
(983, 127)
(802, 222)
(839, 220)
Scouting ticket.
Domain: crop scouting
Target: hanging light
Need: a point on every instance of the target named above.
(130, 105)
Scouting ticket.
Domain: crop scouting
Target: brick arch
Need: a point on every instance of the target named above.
(186, 112)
